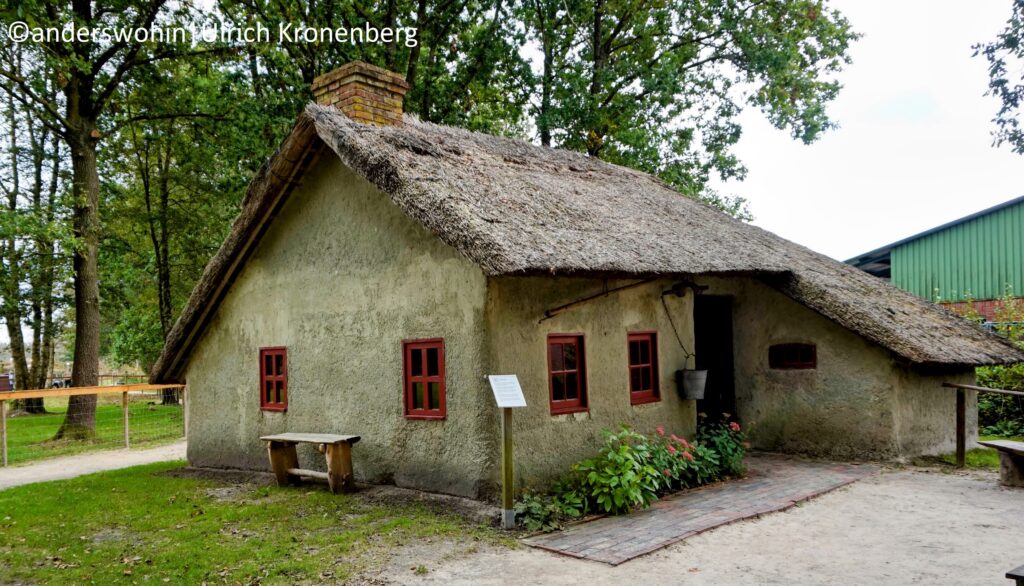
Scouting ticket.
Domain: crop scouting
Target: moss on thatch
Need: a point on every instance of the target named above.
(516, 209)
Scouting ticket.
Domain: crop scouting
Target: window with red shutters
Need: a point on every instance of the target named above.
(643, 368)
(567, 374)
(424, 379)
(274, 379)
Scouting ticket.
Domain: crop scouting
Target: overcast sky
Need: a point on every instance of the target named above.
(914, 148)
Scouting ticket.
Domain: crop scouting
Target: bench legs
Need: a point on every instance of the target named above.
(339, 467)
(1011, 469)
(284, 461)
(283, 458)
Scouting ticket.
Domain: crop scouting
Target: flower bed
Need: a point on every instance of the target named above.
(632, 470)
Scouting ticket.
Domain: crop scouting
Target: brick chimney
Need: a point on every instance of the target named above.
(365, 93)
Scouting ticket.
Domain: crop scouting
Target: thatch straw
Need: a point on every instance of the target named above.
(515, 209)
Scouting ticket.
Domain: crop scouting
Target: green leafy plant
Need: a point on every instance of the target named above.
(537, 512)
(632, 470)
(999, 414)
(619, 477)
(727, 440)
(1004, 428)
(543, 512)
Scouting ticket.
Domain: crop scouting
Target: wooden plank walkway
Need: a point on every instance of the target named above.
(774, 483)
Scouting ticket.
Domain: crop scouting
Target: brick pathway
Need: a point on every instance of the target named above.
(773, 483)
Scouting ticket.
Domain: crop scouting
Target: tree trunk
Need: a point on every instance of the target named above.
(428, 83)
(11, 306)
(414, 53)
(80, 421)
(595, 136)
(41, 272)
(47, 251)
(544, 117)
(159, 233)
(389, 22)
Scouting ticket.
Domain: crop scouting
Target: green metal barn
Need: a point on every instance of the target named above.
(979, 257)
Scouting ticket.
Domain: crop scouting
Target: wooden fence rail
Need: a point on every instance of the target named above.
(72, 391)
(961, 415)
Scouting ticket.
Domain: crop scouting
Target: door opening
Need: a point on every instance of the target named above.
(712, 329)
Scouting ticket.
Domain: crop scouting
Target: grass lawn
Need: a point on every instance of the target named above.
(141, 525)
(980, 458)
(30, 437)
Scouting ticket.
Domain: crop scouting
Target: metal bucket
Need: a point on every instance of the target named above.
(692, 383)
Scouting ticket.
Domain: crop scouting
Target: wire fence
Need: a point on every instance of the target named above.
(38, 427)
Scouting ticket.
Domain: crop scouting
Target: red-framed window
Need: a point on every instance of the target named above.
(643, 368)
(274, 379)
(424, 379)
(793, 356)
(567, 373)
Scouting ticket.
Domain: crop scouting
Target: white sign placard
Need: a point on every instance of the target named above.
(507, 391)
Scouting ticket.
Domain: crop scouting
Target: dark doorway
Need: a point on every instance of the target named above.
(712, 328)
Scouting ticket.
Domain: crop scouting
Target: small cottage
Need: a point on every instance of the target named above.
(381, 267)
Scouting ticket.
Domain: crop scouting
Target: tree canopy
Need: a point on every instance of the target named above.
(132, 156)
(1005, 55)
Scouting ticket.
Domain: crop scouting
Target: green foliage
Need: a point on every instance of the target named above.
(620, 477)
(543, 512)
(172, 185)
(659, 86)
(1004, 56)
(632, 470)
(727, 440)
(1000, 414)
(654, 85)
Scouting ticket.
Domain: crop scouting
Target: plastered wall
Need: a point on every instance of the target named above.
(341, 278)
(859, 402)
(546, 445)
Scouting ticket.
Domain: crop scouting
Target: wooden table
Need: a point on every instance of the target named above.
(337, 448)
(1011, 461)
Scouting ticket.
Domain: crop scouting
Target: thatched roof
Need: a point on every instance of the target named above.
(515, 208)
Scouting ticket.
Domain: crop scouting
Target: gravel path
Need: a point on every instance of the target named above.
(87, 463)
(899, 527)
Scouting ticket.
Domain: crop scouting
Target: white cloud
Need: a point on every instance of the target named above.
(914, 148)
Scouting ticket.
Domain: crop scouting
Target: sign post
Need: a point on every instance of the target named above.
(509, 395)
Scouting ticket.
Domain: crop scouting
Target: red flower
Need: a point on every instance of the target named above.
(671, 450)
(734, 426)
(660, 430)
(666, 472)
(688, 456)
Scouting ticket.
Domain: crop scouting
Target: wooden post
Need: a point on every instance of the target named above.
(339, 467)
(508, 513)
(961, 428)
(3, 430)
(184, 409)
(282, 458)
(124, 411)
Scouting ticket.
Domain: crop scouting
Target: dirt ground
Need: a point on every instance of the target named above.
(87, 463)
(900, 527)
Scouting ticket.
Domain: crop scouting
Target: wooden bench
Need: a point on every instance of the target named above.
(1016, 574)
(337, 448)
(1011, 461)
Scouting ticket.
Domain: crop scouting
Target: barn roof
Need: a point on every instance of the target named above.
(514, 208)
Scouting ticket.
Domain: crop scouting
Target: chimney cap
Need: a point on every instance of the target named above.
(363, 92)
(359, 68)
